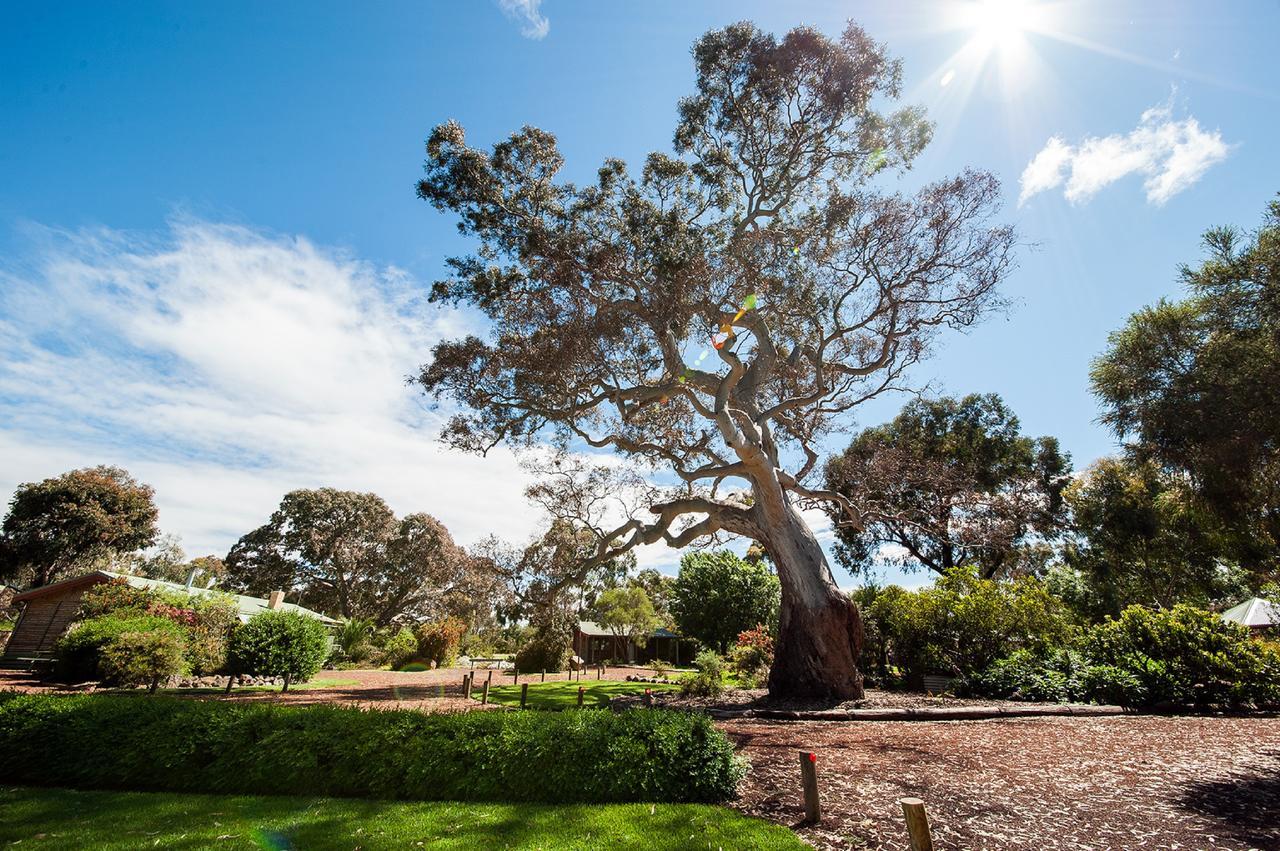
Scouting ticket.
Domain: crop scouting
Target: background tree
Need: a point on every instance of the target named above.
(1194, 385)
(661, 589)
(345, 552)
(1141, 538)
(719, 595)
(627, 613)
(716, 313)
(950, 482)
(60, 526)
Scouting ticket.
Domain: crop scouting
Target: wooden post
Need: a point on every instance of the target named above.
(517, 679)
(917, 824)
(809, 779)
(599, 671)
(524, 695)
(581, 691)
(544, 675)
(489, 679)
(484, 695)
(467, 685)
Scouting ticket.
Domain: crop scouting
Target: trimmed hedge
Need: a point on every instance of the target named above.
(172, 744)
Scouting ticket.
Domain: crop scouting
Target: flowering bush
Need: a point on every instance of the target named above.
(438, 641)
(752, 656)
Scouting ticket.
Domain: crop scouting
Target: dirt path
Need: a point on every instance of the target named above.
(1136, 782)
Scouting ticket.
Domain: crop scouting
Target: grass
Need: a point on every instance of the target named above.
(66, 819)
(563, 694)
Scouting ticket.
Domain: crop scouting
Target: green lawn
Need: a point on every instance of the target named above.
(563, 694)
(64, 819)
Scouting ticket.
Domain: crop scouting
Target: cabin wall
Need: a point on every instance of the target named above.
(44, 620)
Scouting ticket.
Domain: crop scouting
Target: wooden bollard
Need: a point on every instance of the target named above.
(517, 679)
(484, 694)
(489, 679)
(809, 779)
(582, 690)
(544, 675)
(599, 671)
(917, 824)
(524, 695)
(466, 686)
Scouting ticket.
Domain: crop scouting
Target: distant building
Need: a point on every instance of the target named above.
(50, 610)
(596, 644)
(1259, 615)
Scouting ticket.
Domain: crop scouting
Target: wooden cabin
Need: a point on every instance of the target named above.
(595, 644)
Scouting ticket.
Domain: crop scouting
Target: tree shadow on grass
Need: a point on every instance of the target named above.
(1246, 806)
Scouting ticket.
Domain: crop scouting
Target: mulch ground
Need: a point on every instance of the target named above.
(1132, 782)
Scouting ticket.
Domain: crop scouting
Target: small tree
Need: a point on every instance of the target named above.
(627, 613)
(718, 595)
(143, 658)
(279, 644)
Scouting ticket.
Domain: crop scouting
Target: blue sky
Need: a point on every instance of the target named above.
(211, 254)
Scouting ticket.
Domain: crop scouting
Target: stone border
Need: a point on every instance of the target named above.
(941, 713)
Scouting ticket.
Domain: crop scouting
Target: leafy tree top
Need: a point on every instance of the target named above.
(716, 312)
(65, 523)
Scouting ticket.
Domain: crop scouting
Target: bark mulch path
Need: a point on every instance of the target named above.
(1128, 782)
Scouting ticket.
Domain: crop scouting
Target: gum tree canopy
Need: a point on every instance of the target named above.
(716, 314)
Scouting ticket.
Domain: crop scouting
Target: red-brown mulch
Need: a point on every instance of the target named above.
(1130, 782)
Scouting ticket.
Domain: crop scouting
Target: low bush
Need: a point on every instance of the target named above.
(1186, 656)
(438, 642)
(165, 743)
(216, 617)
(400, 649)
(143, 658)
(752, 657)
(79, 650)
(1026, 675)
(545, 651)
(708, 680)
(279, 643)
(116, 595)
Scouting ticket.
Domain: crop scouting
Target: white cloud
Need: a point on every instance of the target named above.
(1172, 155)
(533, 24)
(225, 368)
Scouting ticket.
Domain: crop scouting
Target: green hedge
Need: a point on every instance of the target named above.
(174, 744)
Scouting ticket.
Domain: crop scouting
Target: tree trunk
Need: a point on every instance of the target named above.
(820, 632)
(286, 684)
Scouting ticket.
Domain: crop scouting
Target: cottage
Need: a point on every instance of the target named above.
(595, 644)
(1260, 616)
(50, 610)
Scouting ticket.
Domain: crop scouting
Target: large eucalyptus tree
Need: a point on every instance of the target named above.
(716, 314)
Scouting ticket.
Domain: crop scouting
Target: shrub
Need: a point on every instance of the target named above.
(116, 595)
(279, 644)
(545, 651)
(353, 641)
(438, 642)
(752, 656)
(1185, 656)
(401, 648)
(709, 679)
(216, 617)
(127, 742)
(142, 658)
(79, 650)
(963, 623)
(1026, 675)
(1109, 684)
(659, 668)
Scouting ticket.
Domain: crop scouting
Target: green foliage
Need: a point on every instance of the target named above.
(1027, 675)
(1194, 386)
(209, 635)
(63, 524)
(950, 482)
(253, 748)
(401, 648)
(79, 650)
(963, 623)
(718, 595)
(1143, 538)
(354, 640)
(115, 595)
(1186, 656)
(438, 641)
(659, 668)
(752, 657)
(551, 645)
(142, 658)
(627, 612)
(708, 680)
(279, 644)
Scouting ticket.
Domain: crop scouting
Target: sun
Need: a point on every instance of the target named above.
(1000, 24)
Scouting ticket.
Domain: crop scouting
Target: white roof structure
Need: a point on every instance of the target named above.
(1254, 613)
